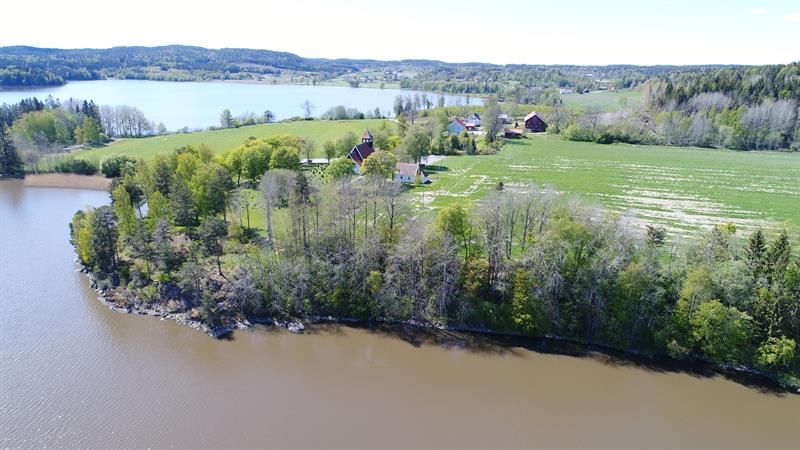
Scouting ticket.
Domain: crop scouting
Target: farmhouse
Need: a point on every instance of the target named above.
(472, 122)
(361, 151)
(535, 123)
(408, 172)
(456, 126)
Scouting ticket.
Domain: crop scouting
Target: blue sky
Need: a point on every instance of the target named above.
(508, 31)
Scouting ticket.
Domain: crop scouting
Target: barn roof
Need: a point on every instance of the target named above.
(531, 116)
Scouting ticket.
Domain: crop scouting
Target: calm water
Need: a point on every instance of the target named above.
(198, 105)
(75, 374)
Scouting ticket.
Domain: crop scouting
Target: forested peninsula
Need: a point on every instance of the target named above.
(181, 240)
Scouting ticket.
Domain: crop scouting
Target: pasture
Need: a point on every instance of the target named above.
(606, 101)
(223, 140)
(685, 189)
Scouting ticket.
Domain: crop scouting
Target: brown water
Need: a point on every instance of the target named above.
(73, 373)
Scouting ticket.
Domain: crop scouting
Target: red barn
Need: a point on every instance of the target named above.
(535, 123)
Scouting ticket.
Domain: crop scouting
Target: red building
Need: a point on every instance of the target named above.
(361, 151)
(535, 123)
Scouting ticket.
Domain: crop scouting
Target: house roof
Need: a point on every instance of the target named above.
(458, 120)
(531, 115)
(407, 169)
(360, 152)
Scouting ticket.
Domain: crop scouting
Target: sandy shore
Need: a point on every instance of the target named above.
(67, 180)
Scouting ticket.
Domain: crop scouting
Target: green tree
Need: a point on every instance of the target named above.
(285, 158)
(226, 119)
(118, 165)
(777, 353)
(329, 148)
(417, 143)
(722, 333)
(10, 161)
(379, 164)
(490, 122)
(455, 220)
(212, 231)
(339, 168)
(211, 186)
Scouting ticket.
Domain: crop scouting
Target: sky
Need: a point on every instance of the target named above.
(508, 31)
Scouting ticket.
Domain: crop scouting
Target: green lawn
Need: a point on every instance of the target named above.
(604, 100)
(223, 140)
(682, 188)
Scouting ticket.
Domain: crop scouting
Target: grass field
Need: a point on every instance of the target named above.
(223, 140)
(604, 100)
(682, 188)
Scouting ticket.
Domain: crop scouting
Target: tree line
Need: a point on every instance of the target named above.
(223, 239)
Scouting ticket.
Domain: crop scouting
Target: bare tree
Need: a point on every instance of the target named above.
(308, 108)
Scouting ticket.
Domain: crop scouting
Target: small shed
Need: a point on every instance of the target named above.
(534, 123)
(512, 133)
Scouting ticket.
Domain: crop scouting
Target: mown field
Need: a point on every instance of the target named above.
(604, 100)
(223, 140)
(682, 188)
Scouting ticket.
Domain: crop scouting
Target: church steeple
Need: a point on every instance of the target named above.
(366, 138)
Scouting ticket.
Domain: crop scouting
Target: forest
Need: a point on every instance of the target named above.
(248, 235)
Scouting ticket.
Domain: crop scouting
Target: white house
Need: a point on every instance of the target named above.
(408, 173)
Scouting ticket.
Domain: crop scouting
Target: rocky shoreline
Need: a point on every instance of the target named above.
(567, 346)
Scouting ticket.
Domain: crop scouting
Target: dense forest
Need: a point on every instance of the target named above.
(248, 235)
(21, 65)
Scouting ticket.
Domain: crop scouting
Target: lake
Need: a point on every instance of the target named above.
(75, 374)
(199, 104)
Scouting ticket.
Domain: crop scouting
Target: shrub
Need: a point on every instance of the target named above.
(78, 166)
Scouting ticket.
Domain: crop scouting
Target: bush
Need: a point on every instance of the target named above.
(117, 165)
(78, 166)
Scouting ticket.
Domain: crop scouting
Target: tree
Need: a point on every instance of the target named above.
(417, 144)
(339, 168)
(455, 220)
(104, 239)
(92, 133)
(183, 207)
(269, 116)
(329, 148)
(255, 161)
(212, 231)
(226, 119)
(777, 353)
(491, 119)
(721, 332)
(379, 164)
(755, 253)
(307, 148)
(210, 187)
(308, 109)
(10, 161)
(275, 187)
(285, 158)
(118, 165)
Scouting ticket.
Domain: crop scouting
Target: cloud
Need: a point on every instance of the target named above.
(792, 17)
(758, 11)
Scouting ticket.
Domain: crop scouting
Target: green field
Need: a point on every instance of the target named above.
(604, 100)
(682, 188)
(223, 140)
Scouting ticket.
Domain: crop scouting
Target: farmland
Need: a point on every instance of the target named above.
(223, 140)
(683, 188)
(604, 100)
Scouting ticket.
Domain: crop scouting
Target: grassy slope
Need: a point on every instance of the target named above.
(223, 140)
(683, 188)
(603, 100)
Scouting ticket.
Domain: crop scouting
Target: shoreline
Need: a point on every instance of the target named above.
(67, 181)
(443, 334)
